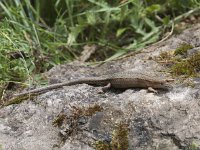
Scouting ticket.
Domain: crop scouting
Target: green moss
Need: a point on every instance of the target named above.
(100, 145)
(58, 121)
(182, 50)
(120, 137)
(194, 61)
(72, 120)
(90, 111)
(193, 146)
(188, 66)
(182, 68)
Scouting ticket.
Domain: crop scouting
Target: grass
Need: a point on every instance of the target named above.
(11, 42)
(45, 33)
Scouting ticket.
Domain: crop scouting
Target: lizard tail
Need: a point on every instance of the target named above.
(91, 81)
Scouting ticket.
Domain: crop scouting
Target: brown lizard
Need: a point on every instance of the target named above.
(116, 80)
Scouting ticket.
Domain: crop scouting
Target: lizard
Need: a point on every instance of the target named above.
(120, 80)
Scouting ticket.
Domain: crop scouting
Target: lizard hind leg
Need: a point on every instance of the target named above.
(105, 88)
(150, 89)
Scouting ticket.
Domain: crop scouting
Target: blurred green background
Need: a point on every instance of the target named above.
(37, 35)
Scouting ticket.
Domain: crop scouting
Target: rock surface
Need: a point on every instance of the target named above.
(133, 118)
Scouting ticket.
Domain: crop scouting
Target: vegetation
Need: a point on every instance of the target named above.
(188, 67)
(100, 145)
(77, 114)
(193, 146)
(36, 35)
(18, 100)
(182, 50)
(119, 139)
(180, 62)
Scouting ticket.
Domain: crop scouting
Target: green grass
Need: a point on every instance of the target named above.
(51, 33)
(12, 41)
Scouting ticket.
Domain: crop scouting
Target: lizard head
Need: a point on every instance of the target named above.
(163, 84)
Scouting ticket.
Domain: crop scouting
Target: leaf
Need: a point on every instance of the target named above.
(91, 18)
(74, 33)
(154, 30)
(120, 31)
(166, 20)
(101, 4)
(116, 55)
(153, 8)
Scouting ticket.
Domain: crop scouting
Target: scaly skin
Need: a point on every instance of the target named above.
(118, 80)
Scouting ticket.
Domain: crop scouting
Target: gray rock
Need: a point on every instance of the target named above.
(169, 120)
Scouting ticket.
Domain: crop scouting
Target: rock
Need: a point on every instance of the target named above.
(79, 117)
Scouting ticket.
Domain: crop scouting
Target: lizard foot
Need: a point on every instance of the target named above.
(105, 88)
(150, 89)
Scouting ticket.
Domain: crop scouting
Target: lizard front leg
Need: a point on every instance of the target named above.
(150, 89)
